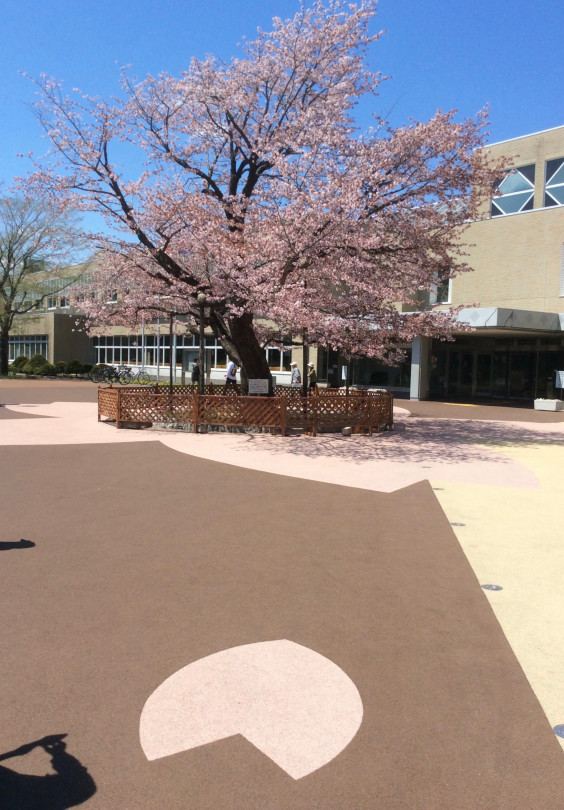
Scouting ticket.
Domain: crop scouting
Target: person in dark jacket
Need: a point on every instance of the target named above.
(312, 376)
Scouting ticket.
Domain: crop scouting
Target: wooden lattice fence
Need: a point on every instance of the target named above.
(183, 405)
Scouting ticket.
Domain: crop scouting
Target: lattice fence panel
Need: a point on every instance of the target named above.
(327, 412)
(164, 388)
(149, 406)
(108, 404)
(341, 392)
(336, 412)
(382, 410)
(239, 411)
(299, 412)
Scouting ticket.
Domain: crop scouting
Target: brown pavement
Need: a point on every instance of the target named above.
(146, 560)
(20, 390)
(491, 411)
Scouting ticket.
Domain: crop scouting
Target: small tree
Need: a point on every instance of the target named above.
(35, 242)
(260, 193)
(38, 365)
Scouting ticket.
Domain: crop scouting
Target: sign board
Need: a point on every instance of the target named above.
(258, 387)
(560, 379)
(344, 372)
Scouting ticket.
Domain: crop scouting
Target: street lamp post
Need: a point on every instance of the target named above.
(305, 362)
(171, 349)
(158, 350)
(202, 304)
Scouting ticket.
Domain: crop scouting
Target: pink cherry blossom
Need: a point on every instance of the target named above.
(255, 187)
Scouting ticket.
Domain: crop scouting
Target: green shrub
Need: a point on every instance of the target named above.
(19, 362)
(34, 364)
(74, 367)
(46, 370)
(87, 368)
(39, 366)
(60, 367)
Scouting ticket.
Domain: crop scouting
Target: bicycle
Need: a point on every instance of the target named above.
(100, 374)
(110, 375)
(126, 376)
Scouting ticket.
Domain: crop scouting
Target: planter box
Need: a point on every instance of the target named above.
(549, 405)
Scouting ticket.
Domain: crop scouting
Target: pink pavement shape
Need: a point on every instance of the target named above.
(416, 450)
(293, 704)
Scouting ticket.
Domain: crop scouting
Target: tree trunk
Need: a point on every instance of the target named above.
(4, 343)
(253, 357)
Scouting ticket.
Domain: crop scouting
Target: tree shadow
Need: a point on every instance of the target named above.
(6, 546)
(70, 785)
(415, 440)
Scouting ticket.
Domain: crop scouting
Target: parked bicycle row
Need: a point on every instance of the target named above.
(122, 374)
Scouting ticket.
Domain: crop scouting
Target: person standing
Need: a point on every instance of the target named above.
(312, 377)
(196, 372)
(231, 374)
(296, 379)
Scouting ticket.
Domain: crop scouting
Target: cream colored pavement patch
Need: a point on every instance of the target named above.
(384, 463)
(65, 423)
(415, 451)
(296, 706)
(514, 539)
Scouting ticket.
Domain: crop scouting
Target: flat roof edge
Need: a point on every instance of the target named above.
(520, 137)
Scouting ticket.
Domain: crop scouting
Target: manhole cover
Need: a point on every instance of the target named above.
(492, 587)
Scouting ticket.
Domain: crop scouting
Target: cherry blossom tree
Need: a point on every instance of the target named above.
(258, 191)
(36, 242)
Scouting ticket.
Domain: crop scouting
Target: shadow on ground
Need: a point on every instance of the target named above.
(68, 786)
(7, 546)
(413, 440)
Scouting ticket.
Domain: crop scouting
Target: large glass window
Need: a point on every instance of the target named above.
(128, 349)
(554, 183)
(279, 359)
(514, 193)
(27, 345)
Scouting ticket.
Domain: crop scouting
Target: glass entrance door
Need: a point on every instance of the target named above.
(483, 375)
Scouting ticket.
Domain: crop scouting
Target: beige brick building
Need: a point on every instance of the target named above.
(514, 299)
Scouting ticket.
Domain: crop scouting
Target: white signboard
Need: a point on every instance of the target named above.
(344, 372)
(258, 387)
(560, 379)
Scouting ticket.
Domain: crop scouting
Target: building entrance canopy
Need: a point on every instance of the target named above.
(504, 318)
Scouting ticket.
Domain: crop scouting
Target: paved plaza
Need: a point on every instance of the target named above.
(250, 622)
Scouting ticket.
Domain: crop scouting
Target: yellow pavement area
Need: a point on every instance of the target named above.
(514, 538)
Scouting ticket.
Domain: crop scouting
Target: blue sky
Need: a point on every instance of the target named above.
(440, 53)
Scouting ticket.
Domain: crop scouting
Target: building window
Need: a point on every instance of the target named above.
(129, 349)
(444, 291)
(51, 302)
(561, 293)
(441, 292)
(64, 302)
(514, 193)
(554, 183)
(27, 345)
(279, 359)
